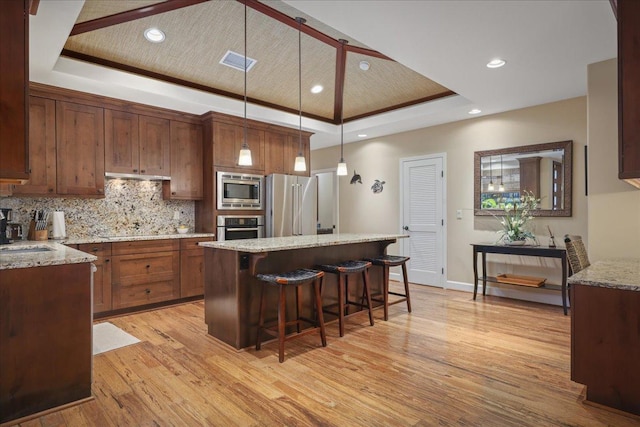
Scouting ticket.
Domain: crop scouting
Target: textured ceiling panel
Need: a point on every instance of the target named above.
(198, 36)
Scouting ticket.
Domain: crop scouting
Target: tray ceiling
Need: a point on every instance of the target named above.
(110, 33)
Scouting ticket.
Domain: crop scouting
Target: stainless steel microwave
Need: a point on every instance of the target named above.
(240, 191)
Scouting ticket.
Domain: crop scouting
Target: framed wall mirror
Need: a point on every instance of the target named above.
(501, 176)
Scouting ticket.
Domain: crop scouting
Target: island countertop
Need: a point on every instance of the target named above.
(271, 244)
(39, 254)
(612, 273)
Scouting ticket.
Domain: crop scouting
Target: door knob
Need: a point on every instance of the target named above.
(406, 228)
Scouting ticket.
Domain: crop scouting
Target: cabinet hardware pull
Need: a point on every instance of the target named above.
(147, 291)
(95, 249)
(107, 260)
(142, 171)
(135, 170)
(148, 266)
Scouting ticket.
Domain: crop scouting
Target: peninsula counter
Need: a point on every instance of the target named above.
(232, 292)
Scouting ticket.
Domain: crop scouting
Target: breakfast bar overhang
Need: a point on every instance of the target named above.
(232, 292)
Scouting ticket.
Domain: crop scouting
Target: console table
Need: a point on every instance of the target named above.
(535, 251)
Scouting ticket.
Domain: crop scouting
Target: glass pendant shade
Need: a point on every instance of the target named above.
(342, 168)
(491, 187)
(300, 165)
(501, 188)
(245, 156)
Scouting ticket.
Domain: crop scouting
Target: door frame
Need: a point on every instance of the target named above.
(403, 160)
(336, 193)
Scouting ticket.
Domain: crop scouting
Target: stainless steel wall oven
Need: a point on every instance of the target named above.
(234, 227)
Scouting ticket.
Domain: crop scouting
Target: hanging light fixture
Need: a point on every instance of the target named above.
(490, 187)
(342, 166)
(501, 187)
(244, 159)
(300, 164)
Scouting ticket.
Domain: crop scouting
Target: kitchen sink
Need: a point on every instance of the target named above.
(16, 250)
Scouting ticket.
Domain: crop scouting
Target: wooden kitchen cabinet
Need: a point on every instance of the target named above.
(145, 272)
(192, 267)
(227, 141)
(42, 148)
(80, 149)
(186, 163)
(274, 143)
(628, 12)
(45, 333)
(136, 144)
(530, 175)
(14, 83)
(102, 277)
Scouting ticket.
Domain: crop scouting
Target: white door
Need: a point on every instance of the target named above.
(423, 218)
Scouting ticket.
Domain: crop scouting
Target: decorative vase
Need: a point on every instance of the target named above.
(515, 242)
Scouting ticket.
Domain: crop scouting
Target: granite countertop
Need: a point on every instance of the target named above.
(271, 244)
(39, 254)
(130, 237)
(612, 273)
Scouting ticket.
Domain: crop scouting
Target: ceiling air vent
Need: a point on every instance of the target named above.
(236, 60)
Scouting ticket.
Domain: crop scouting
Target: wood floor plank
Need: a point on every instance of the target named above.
(452, 361)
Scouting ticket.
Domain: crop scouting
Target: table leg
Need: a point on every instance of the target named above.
(564, 283)
(475, 272)
(484, 273)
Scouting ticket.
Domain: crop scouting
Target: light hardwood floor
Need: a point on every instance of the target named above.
(453, 361)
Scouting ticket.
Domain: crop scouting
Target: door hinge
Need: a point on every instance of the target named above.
(441, 174)
(442, 270)
(442, 221)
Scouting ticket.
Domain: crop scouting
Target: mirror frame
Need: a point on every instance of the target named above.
(567, 179)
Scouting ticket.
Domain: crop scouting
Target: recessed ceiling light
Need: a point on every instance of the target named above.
(317, 89)
(362, 135)
(496, 63)
(154, 35)
(364, 65)
(475, 111)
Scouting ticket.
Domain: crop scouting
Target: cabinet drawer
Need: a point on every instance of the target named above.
(145, 246)
(145, 278)
(97, 249)
(192, 243)
(131, 270)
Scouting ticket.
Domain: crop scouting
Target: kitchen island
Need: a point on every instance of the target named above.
(232, 292)
(45, 328)
(605, 333)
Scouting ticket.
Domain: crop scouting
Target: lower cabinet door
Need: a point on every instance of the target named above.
(192, 273)
(141, 279)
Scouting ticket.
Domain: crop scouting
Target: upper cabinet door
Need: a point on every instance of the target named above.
(14, 84)
(80, 149)
(186, 163)
(42, 148)
(227, 141)
(121, 152)
(274, 143)
(155, 146)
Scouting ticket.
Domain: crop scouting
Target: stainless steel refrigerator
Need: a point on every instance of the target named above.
(291, 205)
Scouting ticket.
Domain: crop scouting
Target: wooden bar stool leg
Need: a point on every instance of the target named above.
(341, 286)
(406, 285)
(298, 306)
(365, 277)
(385, 291)
(261, 317)
(319, 315)
(282, 308)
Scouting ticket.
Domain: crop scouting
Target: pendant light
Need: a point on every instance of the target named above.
(244, 159)
(300, 164)
(490, 187)
(501, 187)
(342, 165)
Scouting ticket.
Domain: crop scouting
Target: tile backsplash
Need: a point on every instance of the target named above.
(130, 207)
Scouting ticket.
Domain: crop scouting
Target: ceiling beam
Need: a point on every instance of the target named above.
(131, 15)
(341, 65)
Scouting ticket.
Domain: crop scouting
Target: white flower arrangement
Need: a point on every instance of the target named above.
(516, 216)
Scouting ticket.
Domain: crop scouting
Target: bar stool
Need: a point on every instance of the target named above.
(343, 270)
(387, 261)
(297, 278)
